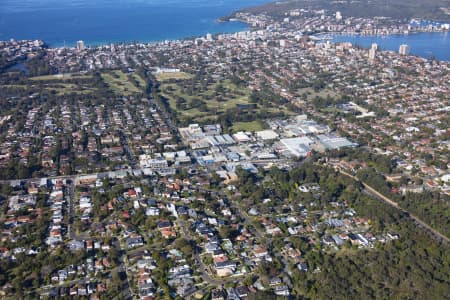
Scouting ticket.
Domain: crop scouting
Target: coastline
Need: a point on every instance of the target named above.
(244, 27)
(140, 21)
(321, 36)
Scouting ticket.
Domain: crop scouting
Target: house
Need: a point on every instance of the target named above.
(146, 263)
(32, 190)
(164, 224)
(168, 233)
(225, 265)
(82, 291)
(210, 247)
(98, 265)
(192, 213)
(73, 291)
(202, 229)
(89, 245)
(327, 240)
(282, 290)
(90, 288)
(274, 281)
(337, 240)
(353, 238)
(132, 193)
(71, 270)
(362, 239)
(303, 267)
(241, 291)
(146, 289)
(62, 275)
(152, 211)
(76, 245)
(259, 251)
(219, 256)
(134, 241)
(86, 180)
(273, 230)
(185, 290)
(218, 295)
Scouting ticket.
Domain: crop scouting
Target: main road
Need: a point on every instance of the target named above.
(132, 170)
(392, 203)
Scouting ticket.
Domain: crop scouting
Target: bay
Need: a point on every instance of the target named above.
(424, 44)
(106, 21)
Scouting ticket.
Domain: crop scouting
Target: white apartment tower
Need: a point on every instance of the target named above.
(80, 45)
(403, 50)
(373, 51)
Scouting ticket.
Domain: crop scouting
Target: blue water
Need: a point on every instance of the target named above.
(105, 21)
(425, 44)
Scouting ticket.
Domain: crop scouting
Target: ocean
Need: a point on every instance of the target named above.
(425, 44)
(97, 22)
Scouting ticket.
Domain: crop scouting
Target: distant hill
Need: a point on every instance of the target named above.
(437, 10)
